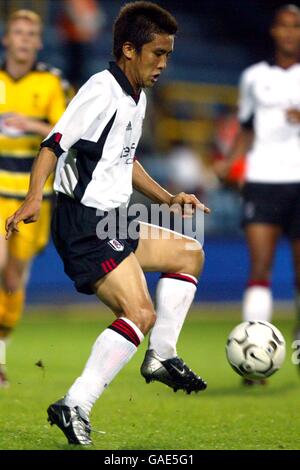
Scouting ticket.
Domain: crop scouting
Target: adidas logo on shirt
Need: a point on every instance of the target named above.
(129, 126)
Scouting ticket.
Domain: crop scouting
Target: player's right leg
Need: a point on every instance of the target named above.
(180, 259)
(265, 206)
(257, 301)
(264, 218)
(261, 240)
(124, 290)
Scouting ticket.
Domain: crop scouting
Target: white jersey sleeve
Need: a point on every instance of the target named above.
(246, 100)
(90, 101)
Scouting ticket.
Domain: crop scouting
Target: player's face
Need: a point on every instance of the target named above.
(286, 33)
(23, 40)
(152, 60)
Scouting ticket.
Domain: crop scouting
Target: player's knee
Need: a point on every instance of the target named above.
(143, 317)
(199, 255)
(147, 319)
(194, 257)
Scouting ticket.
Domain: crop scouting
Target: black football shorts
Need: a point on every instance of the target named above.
(86, 256)
(275, 204)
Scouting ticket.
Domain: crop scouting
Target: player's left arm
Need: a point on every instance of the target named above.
(143, 183)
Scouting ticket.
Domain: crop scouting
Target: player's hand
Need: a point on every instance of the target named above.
(22, 123)
(190, 203)
(293, 116)
(27, 213)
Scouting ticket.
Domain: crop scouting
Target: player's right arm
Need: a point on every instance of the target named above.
(245, 136)
(28, 212)
(91, 100)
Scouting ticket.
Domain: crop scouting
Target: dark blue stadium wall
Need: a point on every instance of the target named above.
(223, 279)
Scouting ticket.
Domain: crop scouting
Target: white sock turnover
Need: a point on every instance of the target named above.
(257, 304)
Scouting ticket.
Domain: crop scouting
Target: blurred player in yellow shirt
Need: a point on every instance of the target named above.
(33, 97)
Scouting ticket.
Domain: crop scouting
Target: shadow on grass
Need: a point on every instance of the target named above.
(240, 390)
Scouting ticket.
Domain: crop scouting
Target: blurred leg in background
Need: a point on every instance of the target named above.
(262, 240)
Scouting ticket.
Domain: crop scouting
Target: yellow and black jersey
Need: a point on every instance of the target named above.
(41, 94)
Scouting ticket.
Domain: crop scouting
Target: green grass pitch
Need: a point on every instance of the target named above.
(139, 416)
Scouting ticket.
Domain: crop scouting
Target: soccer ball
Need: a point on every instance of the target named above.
(255, 349)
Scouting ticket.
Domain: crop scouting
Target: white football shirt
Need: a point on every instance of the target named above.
(95, 141)
(266, 92)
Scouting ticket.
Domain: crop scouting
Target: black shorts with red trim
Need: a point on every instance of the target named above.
(86, 256)
(275, 204)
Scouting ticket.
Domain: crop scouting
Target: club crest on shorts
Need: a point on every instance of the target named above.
(116, 245)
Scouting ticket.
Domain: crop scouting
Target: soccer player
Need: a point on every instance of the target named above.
(93, 148)
(32, 101)
(269, 114)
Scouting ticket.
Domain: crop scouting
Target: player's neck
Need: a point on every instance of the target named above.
(16, 69)
(124, 66)
(284, 61)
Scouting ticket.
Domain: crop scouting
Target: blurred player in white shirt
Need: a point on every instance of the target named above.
(269, 115)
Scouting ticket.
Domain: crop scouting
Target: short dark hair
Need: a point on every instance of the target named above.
(137, 23)
(290, 8)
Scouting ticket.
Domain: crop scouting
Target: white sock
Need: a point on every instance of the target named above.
(257, 304)
(174, 295)
(110, 353)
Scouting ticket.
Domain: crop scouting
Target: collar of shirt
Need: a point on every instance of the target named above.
(3, 67)
(123, 81)
(272, 63)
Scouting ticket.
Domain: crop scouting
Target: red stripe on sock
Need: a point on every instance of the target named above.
(129, 329)
(125, 328)
(179, 277)
(125, 334)
(253, 283)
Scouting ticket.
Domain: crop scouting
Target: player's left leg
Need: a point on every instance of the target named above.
(180, 260)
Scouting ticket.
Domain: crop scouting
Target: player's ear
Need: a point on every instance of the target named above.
(128, 50)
